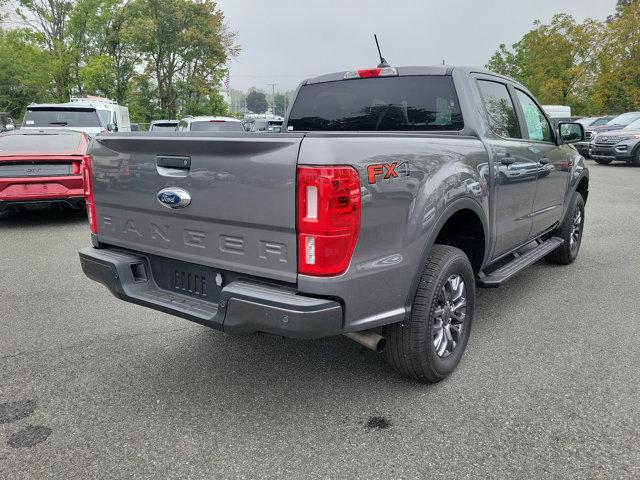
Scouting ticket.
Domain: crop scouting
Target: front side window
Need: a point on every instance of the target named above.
(538, 126)
(500, 110)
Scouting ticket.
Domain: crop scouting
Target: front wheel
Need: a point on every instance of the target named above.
(429, 345)
(570, 230)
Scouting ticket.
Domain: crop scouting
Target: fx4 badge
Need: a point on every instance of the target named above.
(387, 171)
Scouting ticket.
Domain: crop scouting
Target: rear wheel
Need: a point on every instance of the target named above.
(429, 345)
(570, 231)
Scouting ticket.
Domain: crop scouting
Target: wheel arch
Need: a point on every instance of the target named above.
(458, 211)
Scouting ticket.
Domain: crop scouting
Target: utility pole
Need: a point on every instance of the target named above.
(273, 97)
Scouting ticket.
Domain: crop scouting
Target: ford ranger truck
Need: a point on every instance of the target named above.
(391, 194)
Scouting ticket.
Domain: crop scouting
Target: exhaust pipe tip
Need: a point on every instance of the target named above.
(368, 339)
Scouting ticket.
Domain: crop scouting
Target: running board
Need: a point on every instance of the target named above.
(519, 263)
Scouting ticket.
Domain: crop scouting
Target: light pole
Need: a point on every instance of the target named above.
(273, 97)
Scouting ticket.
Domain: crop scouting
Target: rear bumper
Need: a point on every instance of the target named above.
(40, 188)
(70, 202)
(243, 306)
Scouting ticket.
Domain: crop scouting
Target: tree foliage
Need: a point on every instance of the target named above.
(257, 102)
(108, 47)
(592, 66)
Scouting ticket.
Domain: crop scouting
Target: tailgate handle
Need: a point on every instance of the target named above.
(169, 161)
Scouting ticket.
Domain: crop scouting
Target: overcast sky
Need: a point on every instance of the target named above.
(284, 41)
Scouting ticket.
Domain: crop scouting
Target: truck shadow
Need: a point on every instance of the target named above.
(217, 367)
(37, 218)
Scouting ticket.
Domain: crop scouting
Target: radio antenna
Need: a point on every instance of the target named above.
(383, 62)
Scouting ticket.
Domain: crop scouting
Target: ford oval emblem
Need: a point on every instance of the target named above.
(174, 197)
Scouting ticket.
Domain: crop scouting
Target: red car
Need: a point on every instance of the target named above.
(40, 167)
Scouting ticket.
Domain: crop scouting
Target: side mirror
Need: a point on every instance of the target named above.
(112, 127)
(276, 129)
(571, 132)
(9, 126)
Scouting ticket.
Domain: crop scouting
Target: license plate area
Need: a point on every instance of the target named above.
(21, 170)
(187, 278)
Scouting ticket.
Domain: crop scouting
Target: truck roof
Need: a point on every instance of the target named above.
(412, 70)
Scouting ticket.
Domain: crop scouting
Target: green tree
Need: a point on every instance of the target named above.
(281, 104)
(617, 87)
(24, 72)
(214, 104)
(182, 41)
(257, 102)
(557, 62)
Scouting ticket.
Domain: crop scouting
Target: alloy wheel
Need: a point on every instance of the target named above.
(449, 316)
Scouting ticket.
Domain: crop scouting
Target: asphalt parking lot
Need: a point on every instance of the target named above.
(91, 387)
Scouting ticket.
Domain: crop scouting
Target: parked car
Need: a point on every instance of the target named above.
(7, 123)
(164, 126)
(41, 168)
(287, 242)
(595, 121)
(114, 117)
(65, 117)
(616, 123)
(210, 124)
(622, 145)
(264, 125)
(557, 111)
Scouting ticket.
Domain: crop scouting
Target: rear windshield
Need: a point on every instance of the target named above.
(412, 103)
(67, 143)
(164, 127)
(60, 117)
(216, 126)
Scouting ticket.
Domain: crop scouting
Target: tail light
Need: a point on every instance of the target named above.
(372, 73)
(328, 219)
(88, 194)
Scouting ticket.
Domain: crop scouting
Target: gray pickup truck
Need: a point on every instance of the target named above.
(390, 195)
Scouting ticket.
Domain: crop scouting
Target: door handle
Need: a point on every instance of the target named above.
(544, 161)
(507, 159)
(170, 161)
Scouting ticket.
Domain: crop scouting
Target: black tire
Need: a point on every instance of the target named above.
(602, 162)
(566, 253)
(410, 346)
(636, 158)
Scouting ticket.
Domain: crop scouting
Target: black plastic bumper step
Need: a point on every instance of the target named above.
(515, 266)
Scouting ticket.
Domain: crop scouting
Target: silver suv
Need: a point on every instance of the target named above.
(210, 124)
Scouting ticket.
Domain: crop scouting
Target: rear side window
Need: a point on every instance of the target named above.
(61, 117)
(216, 126)
(538, 126)
(500, 110)
(412, 103)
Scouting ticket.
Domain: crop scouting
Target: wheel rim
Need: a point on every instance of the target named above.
(449, 316)
(576, 230)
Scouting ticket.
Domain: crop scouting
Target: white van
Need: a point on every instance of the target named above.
(114, 117)
(557, 111)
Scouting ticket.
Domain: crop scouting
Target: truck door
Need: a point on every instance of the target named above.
(515, 168)
(553, 165)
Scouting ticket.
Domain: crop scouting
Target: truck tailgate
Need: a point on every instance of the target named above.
(242, 188)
